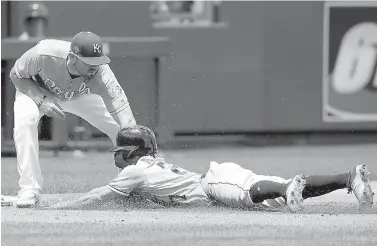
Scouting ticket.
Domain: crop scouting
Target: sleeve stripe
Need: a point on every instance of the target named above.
(127, 105)
(117, 191)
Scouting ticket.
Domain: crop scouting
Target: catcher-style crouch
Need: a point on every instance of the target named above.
(227, 183)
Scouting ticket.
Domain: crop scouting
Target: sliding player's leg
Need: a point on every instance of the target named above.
(356, 181)
(318, 185)
(232, 185)
(273, 189)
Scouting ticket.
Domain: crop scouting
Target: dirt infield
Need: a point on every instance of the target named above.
(333, 219)
(182, 228)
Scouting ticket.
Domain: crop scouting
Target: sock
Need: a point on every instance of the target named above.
(266, 189)
(318, 185)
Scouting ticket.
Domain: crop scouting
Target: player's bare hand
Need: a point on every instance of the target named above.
(51, 108)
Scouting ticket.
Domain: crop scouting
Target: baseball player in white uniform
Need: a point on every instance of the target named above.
(227, 183)
(54, 77)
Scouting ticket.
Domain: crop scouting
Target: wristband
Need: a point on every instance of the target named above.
(41, 101)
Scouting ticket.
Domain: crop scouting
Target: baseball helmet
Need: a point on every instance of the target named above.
(134, 138)
(36, 9)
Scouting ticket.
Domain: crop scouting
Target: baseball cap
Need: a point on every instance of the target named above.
(36, 9)
(88, 47)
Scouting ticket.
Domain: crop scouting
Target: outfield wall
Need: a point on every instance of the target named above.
(259, 70)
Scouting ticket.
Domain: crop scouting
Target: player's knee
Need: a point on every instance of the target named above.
(26, 121)
(26, 127)
(26, 118)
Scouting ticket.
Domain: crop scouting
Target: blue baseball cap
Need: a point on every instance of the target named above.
(88, 47)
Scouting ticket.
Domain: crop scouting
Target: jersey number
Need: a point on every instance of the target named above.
(177, 170)
(174, 169)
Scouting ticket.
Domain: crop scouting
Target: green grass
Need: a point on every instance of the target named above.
(180, 227)
(331, 220)
(67, 174)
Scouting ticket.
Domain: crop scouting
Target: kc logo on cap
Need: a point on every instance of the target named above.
(89, 48)
(97, 48)
(75, 49)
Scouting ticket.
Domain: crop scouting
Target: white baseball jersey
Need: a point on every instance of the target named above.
(45, 63)
(229, 184)
(95, 97)
(166, 182)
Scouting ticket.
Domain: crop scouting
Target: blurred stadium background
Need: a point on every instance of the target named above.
(216, 80)
(196, 71)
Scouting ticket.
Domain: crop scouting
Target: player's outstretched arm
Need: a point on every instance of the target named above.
(93, 199)
(125, 118)
(114, 97)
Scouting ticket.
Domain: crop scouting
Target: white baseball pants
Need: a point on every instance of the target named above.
(229, 183)
(26, 120)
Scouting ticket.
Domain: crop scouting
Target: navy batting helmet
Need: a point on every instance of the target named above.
(135, 138)
(36, 9)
